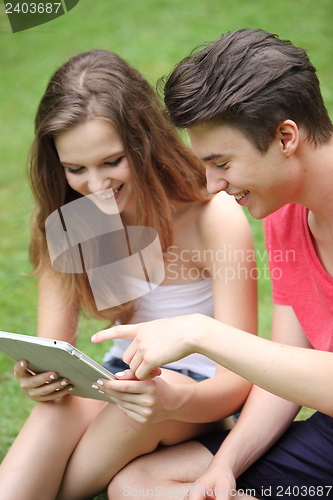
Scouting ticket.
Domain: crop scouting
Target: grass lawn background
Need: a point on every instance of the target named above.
(152, 35)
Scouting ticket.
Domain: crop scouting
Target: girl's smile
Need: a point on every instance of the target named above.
(96, 165)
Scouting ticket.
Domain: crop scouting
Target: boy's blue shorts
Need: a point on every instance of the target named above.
(298, 466)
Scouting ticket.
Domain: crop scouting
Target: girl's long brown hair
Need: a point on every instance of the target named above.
(99, 84)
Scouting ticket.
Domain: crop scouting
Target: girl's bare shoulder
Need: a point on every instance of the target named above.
(221, 213)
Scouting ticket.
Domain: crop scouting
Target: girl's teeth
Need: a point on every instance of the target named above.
(105, 196)
(108, 195)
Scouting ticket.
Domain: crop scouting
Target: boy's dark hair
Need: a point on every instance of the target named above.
(252, 80)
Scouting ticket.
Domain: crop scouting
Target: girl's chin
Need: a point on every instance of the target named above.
(108, 206)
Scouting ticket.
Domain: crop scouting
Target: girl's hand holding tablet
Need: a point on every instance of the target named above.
(43, 386)
(148, 401)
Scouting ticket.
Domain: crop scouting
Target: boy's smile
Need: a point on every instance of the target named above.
(262, 182)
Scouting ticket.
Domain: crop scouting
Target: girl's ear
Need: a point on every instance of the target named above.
(288, 134)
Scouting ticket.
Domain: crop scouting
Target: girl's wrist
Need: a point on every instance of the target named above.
(182, 393)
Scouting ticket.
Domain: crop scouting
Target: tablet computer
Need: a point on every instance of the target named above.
(44, 355)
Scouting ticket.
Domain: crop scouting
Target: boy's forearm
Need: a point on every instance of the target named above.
(297, 374)
(263, 420)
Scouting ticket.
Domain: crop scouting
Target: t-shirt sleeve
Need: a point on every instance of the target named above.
(276, 267)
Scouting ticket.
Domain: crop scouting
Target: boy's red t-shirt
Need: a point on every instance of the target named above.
(298, 277)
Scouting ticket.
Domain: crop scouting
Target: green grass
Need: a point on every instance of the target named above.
(152, 35)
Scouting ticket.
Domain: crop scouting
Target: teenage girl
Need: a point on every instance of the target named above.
(101, 132)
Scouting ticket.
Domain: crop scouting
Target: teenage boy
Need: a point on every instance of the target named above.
(254, 113)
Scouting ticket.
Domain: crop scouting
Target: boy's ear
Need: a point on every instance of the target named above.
(288, 134)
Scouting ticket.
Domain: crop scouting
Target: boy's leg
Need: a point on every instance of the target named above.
(169, 472)
(299, 465)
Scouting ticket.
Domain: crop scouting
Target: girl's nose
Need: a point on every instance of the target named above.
(98, 181)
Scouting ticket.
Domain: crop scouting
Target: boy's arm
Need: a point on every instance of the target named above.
(264, 418)
(301, 375)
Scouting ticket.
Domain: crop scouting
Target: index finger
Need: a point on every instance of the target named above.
(117, 332)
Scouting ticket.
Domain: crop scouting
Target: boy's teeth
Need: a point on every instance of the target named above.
(239, 196)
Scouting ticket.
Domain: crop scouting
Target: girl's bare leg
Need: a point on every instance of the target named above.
(35, 464)
(112, 441)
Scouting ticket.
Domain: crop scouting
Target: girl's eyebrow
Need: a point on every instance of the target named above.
(106, 158)
(120, 153)
(72, 164)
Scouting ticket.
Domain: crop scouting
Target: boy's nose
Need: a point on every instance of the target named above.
(215, 180)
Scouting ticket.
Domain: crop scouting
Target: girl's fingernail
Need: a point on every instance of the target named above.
(100, 382)
(22, 364)
(52, 377)
(101, 392)
(120, 374)
(70, 389)
(63, 382)
(94, 386)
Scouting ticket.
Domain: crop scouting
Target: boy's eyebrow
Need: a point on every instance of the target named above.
(214, 156)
